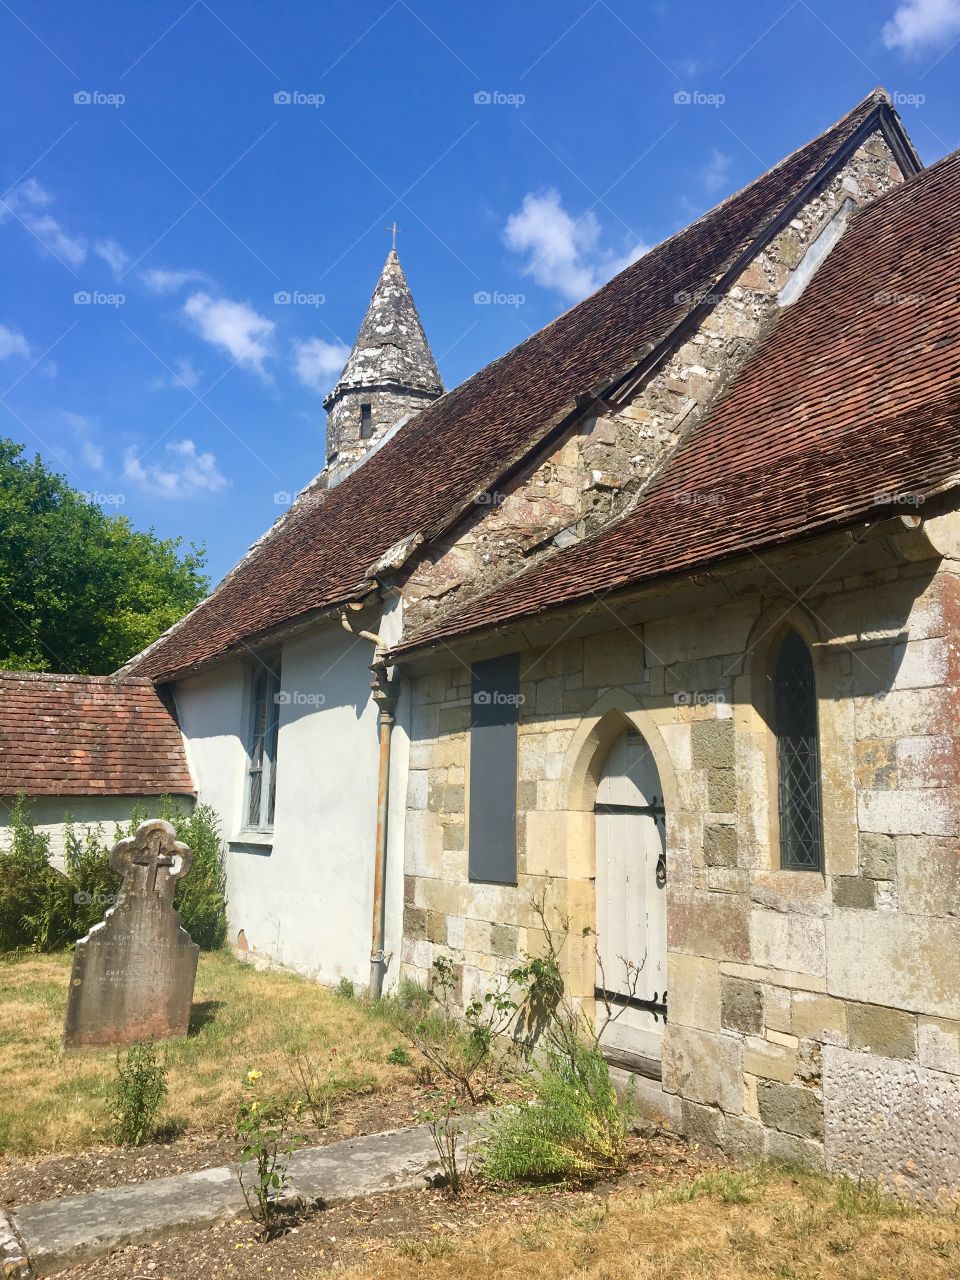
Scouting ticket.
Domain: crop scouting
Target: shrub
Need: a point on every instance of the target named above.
(93, 881)
(465, 1047)
(575, 1126)
(201, 894)
(137, 1094)
(34, 897)
(46, 909)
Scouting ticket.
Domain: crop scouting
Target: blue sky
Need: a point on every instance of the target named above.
(180, 165)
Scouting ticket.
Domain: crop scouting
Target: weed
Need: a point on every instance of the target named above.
(137, 1094)
(451, 1140)
(398, 1057)
(263, 1127)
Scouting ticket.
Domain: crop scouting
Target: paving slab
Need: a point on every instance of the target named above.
(60, 1233)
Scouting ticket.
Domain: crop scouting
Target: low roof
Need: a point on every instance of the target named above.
(318, 555)
(88, 736)
(849, 409)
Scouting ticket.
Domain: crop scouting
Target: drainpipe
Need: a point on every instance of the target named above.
(384, 690)
(385, 696)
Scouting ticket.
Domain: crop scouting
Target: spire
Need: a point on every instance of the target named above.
(390, 374)
(391, 347)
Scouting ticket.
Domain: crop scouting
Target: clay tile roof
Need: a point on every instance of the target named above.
(318, 554)
(88, 735)
(849, 409)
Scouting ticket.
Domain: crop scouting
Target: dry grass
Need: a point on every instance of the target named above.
(720, 1226)
(52, 1101)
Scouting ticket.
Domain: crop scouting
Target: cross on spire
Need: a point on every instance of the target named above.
(394, 231)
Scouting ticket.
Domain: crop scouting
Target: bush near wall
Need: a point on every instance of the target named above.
(44, 909)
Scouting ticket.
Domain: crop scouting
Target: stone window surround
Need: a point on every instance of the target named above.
(753, 713)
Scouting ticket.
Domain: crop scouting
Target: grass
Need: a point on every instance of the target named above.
(242, 1018)
(723, 1225)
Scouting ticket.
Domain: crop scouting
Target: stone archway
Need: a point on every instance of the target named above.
(614, 718)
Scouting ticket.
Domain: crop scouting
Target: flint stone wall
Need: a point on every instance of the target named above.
(596, 472)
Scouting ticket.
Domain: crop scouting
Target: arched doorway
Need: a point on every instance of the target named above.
(631, 876)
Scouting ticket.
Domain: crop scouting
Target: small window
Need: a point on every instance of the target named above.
(264, 726)
(798, 757)
(366, 422)
(493, 770)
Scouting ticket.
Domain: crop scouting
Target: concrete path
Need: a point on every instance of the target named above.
(60, 1233)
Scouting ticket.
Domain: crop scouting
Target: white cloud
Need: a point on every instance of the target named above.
(564, 252)
(716, 172)
(317, 363)
(922, 24)
(183, 376)
(82, 426)
(185, 472)
(234, 327)
(92, 455)
(112, 254)
(25, 202)
(164, 280)
(12, 343)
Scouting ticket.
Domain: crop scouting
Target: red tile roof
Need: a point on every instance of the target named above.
(88, 735)
(419, 481)
(849, 409)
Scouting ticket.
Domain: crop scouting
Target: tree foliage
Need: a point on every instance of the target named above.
(80, 590)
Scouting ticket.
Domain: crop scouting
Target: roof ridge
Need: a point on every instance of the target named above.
(73, 677)
(492, 423)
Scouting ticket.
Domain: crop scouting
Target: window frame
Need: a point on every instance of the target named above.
(266, 742)
(785, 768)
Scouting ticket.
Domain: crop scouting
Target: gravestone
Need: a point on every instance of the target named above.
(134, 972)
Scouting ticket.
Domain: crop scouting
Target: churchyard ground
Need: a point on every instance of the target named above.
(676, 1214)
(677, 1211)
(55, 1107)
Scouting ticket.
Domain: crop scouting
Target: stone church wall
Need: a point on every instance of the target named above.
(597, 471)
(812, 1017)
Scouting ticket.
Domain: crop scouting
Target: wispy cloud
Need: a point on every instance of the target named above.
(83, 428)
(563, 253)
(113, 255)
(185, 472)
(12, 343)
(28, 203)
(919, 25)
(183, 377)
(715, 174)
(318, 363)
(234, 327)
(165, 280)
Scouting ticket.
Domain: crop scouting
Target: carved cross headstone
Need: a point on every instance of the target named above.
(133, 974)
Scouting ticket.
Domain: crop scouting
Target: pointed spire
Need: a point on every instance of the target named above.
(391, 374)
(391, 348)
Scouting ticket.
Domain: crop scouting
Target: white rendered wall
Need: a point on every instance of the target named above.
(303, 898)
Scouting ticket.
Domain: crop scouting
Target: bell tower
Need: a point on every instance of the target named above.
(390, 375)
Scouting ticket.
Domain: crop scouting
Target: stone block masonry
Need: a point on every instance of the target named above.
(811, 1016)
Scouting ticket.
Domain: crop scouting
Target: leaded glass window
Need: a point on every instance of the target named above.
(265, 723)
(798, 757)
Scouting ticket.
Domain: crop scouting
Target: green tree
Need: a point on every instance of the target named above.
(80, 590)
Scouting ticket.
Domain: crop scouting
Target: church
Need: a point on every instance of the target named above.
(655, 619)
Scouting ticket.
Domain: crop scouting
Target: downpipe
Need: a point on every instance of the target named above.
(384, 688)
